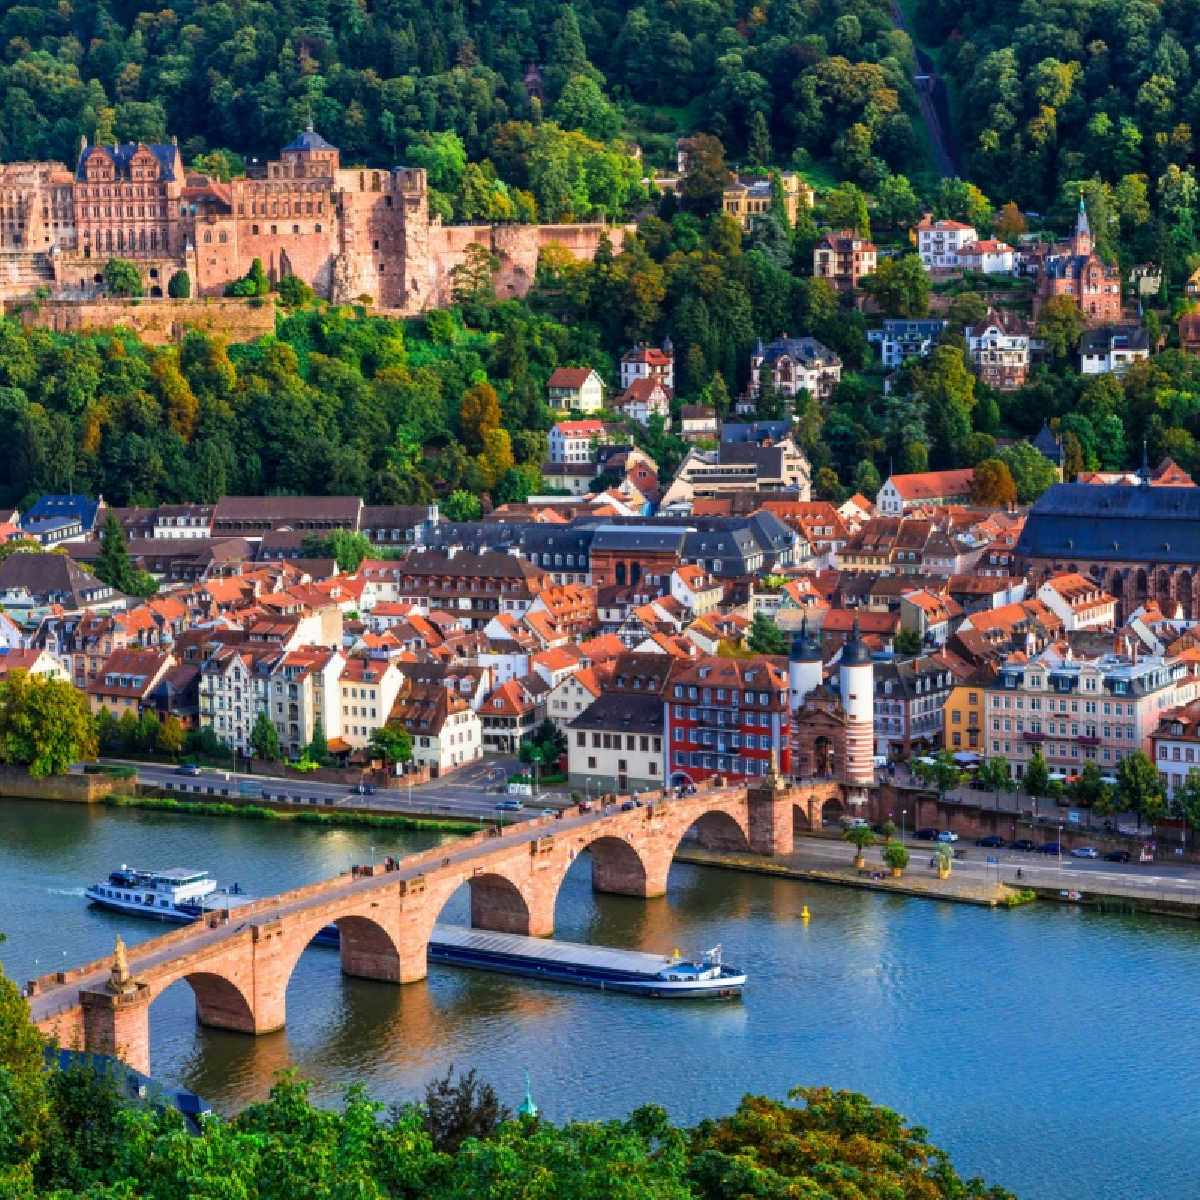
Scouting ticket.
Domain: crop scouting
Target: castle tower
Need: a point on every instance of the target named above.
(856, 677)
(804, 666)
(1081, 239)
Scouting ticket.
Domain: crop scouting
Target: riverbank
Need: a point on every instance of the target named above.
(353, 818)
(956, 888)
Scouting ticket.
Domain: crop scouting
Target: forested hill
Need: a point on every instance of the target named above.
(1052, 93)
(829, 78)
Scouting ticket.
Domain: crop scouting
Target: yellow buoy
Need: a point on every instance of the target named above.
(805, 914)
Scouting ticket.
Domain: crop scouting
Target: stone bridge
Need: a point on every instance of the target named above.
(238, 962)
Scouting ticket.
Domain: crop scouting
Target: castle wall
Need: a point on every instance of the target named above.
(517, 247)
(158, 322)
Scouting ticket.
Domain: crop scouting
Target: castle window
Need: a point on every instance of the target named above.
(254, 229)
(274, 229)
(222, 237)
(208, 237)
(295, 228)
(317, 228)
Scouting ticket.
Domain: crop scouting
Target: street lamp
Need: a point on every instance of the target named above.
(1060, 847)
(903, 814)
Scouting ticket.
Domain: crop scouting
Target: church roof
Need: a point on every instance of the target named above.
(1114, 522)
(309, 140)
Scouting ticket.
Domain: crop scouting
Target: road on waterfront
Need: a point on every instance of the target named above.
(1039, 870)
(468, 793)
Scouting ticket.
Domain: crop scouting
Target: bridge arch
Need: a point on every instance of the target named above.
(221, 1002)
(498, 903)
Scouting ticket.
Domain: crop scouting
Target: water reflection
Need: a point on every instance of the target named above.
(981, 1026)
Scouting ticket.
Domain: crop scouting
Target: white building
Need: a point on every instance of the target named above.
(1112, 348)
(987, 255)
(1079, 603)
(649, 362)
(999, 348)
(938, 242)
(575, 441)
(576, 389)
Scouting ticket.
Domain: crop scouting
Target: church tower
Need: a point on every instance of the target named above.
(804, 666)
(1081, 239)
(856, 680)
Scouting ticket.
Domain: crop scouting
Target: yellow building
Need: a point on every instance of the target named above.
(962, 716)
(749, 196)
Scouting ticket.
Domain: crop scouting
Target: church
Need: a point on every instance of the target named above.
(1074, 269)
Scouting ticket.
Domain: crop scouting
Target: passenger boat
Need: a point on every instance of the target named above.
(602, 967)
(176, 894)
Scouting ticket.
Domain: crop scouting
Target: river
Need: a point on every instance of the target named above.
(1047, 1049)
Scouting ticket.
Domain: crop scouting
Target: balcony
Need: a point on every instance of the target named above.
(1030, 736)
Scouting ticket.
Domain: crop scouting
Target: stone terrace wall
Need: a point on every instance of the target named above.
(76, 789)
(159, 322)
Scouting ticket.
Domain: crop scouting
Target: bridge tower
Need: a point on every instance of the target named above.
(804, 666)
(856, 679)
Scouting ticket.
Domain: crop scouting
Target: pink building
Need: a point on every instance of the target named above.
(1078, 709)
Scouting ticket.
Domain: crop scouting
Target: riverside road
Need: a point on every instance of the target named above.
(470, 793)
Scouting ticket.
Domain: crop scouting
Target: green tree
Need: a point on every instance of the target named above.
(393, 742)
(907, 643)
(896, 856)
(1139, 787)
(473, 281)
(1090, 790)
(179, 286)
(45, 724)
(461, 506)
(900, 286)
(896, 203)
(318, 749)
(995, 775)
(264, 740)
(171, 735)
(765, 637)
(941, 771)
(1031, 472)
(860, 836)
(122, 278)
(1059, 325)
(23, 1098)
(706, 176)
(344, 546)
(112, 565)
(458, 1109)
(1037, 775)
(1185, 802)
(294, 292)
(966, 308)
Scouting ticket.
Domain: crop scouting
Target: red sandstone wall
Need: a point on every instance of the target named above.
(517, 247)
(159, 322)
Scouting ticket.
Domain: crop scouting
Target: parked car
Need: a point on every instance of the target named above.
(1022, 844)
(550, 812)
(1085, 852)
(629, 804)
(187, 769)
(1117, 856)
(1050, 848)
(990, 840)
(947, 835)
(510, 805)
(926, 835)
(856, 823)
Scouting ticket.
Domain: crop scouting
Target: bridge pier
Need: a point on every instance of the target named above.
(118, 1025)
(769, 824)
